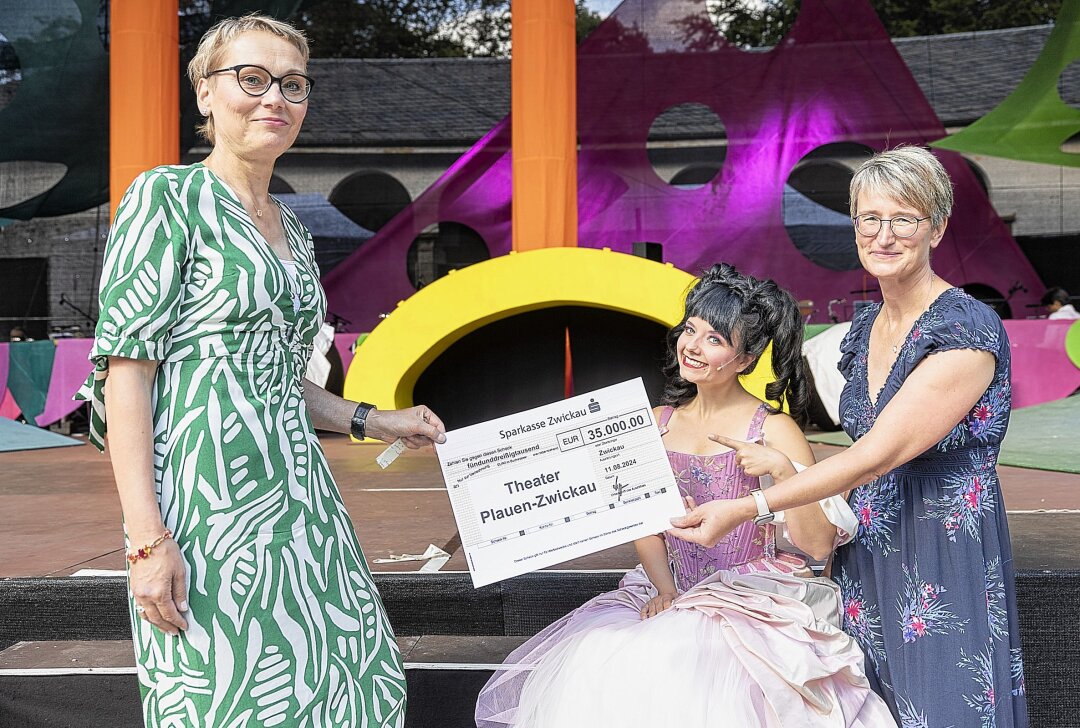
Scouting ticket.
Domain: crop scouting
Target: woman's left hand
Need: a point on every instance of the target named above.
(658, 604)
(418, 426)
(708, 523)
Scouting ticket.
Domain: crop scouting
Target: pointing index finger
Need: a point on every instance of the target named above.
(729, 442)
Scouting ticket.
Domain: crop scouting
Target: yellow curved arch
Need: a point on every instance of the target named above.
(400, 348)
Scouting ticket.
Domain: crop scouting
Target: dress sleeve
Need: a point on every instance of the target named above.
(141, 283)
(963, 323)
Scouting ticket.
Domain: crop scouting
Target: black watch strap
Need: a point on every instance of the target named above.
(358, 427)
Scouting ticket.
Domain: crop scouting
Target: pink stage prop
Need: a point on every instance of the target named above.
(1041, 369)
(343, 342)
(70, 367)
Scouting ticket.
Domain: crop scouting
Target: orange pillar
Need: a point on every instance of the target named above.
(144, 91)
(543, 102)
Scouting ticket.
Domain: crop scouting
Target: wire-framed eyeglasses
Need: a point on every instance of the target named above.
(903, 226)
(256, 81)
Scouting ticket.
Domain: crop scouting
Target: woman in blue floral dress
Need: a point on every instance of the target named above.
(927, 583)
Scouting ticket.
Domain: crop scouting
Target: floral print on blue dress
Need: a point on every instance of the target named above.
(910, 716)
(986, 422)
(1016, 668)
(969, 498)
(922, 610)
(876, 506)
(983, 700)
(996, 617)
(861, 619)
(932, 549)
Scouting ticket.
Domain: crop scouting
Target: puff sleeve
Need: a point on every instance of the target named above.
(141, 283)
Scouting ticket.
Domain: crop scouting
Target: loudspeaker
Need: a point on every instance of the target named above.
(651, 251)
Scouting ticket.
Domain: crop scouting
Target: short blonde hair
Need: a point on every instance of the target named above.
(911, 175)
(216, 39)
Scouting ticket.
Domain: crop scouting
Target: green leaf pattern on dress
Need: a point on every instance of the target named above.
(286, 626)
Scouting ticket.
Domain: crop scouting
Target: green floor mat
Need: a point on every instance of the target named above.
(1043, 437)
(17, 436)
(839, 439)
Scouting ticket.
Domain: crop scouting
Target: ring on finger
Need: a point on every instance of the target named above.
(139, 609)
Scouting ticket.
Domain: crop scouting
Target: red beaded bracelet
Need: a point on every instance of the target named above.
(144, 552)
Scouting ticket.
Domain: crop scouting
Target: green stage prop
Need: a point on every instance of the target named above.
(1033, 122)
(29, 372)
(1072, 344)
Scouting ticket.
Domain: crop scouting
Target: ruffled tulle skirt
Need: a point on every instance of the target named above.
(758, 648)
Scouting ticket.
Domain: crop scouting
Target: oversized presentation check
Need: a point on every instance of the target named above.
(553, 483)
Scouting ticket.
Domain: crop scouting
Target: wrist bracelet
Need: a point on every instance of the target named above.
(358, 426)
(145, 551)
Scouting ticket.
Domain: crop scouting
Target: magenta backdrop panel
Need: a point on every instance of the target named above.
(71, 366)
(4, 362)
(1041, 370)
(343, 342)
(835, 78)
(8, 408)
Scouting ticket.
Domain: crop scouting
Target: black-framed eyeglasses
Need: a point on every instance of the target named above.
(256, 81)
(903, 226)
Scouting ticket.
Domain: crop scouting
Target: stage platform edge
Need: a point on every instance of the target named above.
(444, 675)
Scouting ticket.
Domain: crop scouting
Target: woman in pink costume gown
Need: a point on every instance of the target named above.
(739, 635)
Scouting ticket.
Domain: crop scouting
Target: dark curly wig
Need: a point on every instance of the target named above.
(749, 313)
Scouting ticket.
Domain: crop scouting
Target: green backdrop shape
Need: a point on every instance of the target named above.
(1033, 122)
(29, 371)
(1072, 344)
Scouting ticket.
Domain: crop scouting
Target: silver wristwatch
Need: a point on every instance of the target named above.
(764, 515)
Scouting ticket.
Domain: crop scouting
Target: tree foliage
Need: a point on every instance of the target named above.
(382, 28)
(904, 18)
(587, 20)
(415, 28)
(758, 23)
(425, 28)
(747, 24)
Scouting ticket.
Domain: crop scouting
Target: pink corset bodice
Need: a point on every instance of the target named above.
(707, 478)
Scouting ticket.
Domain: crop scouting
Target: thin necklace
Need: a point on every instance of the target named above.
(258, 212)
(926, 304)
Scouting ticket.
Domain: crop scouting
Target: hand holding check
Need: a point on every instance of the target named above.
(411, 428)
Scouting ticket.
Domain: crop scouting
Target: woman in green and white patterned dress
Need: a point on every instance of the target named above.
(251, 602)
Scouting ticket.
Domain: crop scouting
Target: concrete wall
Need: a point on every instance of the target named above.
(74, 245)
(1044, 198)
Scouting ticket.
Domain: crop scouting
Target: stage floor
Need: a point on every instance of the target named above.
(59, 512)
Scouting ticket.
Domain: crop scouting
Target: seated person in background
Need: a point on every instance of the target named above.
(1056, 301)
